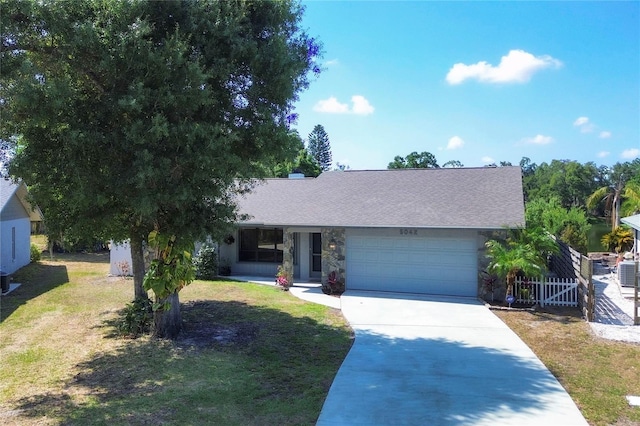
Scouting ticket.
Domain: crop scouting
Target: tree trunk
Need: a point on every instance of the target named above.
(168, 323)
(137, 265)
(615, 220)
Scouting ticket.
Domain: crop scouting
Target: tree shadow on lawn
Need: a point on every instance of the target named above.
(232, 364)
(35, 279)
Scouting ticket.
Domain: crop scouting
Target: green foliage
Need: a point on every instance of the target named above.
(570, 225)
(523, 251)
(319, 147)
(206, 263)
(569, 181)
(453, 164)
(172, 269)
(150, 114)
(136, 319)
(304, 163)
(35, 253)
(608, 197)
(631, 204)
(424, 160)
(618, 240)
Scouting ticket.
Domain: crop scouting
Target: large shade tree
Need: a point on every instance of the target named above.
(141, 116)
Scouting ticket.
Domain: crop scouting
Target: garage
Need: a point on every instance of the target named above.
(412, 262)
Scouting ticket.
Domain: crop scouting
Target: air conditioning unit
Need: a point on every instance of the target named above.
(627, 273)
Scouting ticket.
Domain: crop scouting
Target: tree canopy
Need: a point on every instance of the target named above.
(139, 116)
(424, 160)
(319, 147)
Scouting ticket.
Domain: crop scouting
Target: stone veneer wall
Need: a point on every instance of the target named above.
(287, 255)
(333, 259)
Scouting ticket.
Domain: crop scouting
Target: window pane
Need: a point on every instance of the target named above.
(248, 239)
(266, 239)
(261, 245)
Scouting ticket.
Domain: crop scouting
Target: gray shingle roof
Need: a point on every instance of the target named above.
(481, 198)
(7, 190)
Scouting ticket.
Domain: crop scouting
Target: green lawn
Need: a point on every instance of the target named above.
(597, 373)
(250, 354)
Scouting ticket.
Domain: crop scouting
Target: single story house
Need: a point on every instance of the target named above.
(407, 230)
(634, 223)
(16, 216)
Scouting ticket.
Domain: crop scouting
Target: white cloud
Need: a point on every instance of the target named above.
(605, 134)
(539, 140)
(584, 124)
(630, 154)
(603, 154)
(580, 121)
(455, 143)
(332, 62)
(517, 66)
(360, 106)
(331, 106)
(488, 160)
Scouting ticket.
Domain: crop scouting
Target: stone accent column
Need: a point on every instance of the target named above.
(287, 255)
(333, 258)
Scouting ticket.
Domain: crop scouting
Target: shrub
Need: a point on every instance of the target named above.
(283, 279)
(618, 240)
(136, 319)
(206, 263)
(35, 253)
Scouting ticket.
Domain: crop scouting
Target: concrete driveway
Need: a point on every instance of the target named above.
(420, 360)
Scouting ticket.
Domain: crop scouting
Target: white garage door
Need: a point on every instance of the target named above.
(444, 266)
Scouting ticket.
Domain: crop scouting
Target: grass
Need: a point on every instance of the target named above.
(249, 355)
(597, 373)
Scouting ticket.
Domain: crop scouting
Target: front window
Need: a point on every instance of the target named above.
(261, 245)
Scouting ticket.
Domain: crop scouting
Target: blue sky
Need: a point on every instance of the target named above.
(477, 82)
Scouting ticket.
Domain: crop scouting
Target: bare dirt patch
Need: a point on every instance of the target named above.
(202, 329)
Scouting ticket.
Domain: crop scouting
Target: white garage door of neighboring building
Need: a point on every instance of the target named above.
(443, 266)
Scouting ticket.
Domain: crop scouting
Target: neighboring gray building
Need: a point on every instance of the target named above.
(407, 230)
(16, 215)
(634, 222)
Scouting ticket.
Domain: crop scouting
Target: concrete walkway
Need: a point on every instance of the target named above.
(421, 360)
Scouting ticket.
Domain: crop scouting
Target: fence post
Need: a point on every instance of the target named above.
(636, 298)
(542, 296)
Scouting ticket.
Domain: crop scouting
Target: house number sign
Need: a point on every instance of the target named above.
(408, 231)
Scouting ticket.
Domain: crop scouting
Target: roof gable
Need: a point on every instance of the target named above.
(482, 198)
(12, 193)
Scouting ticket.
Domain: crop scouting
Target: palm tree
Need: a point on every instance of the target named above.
(618, 177)
(631, 204)
(525, 251)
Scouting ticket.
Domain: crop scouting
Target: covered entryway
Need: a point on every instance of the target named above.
(413, 261)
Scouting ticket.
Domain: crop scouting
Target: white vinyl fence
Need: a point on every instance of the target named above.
(546, 291)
